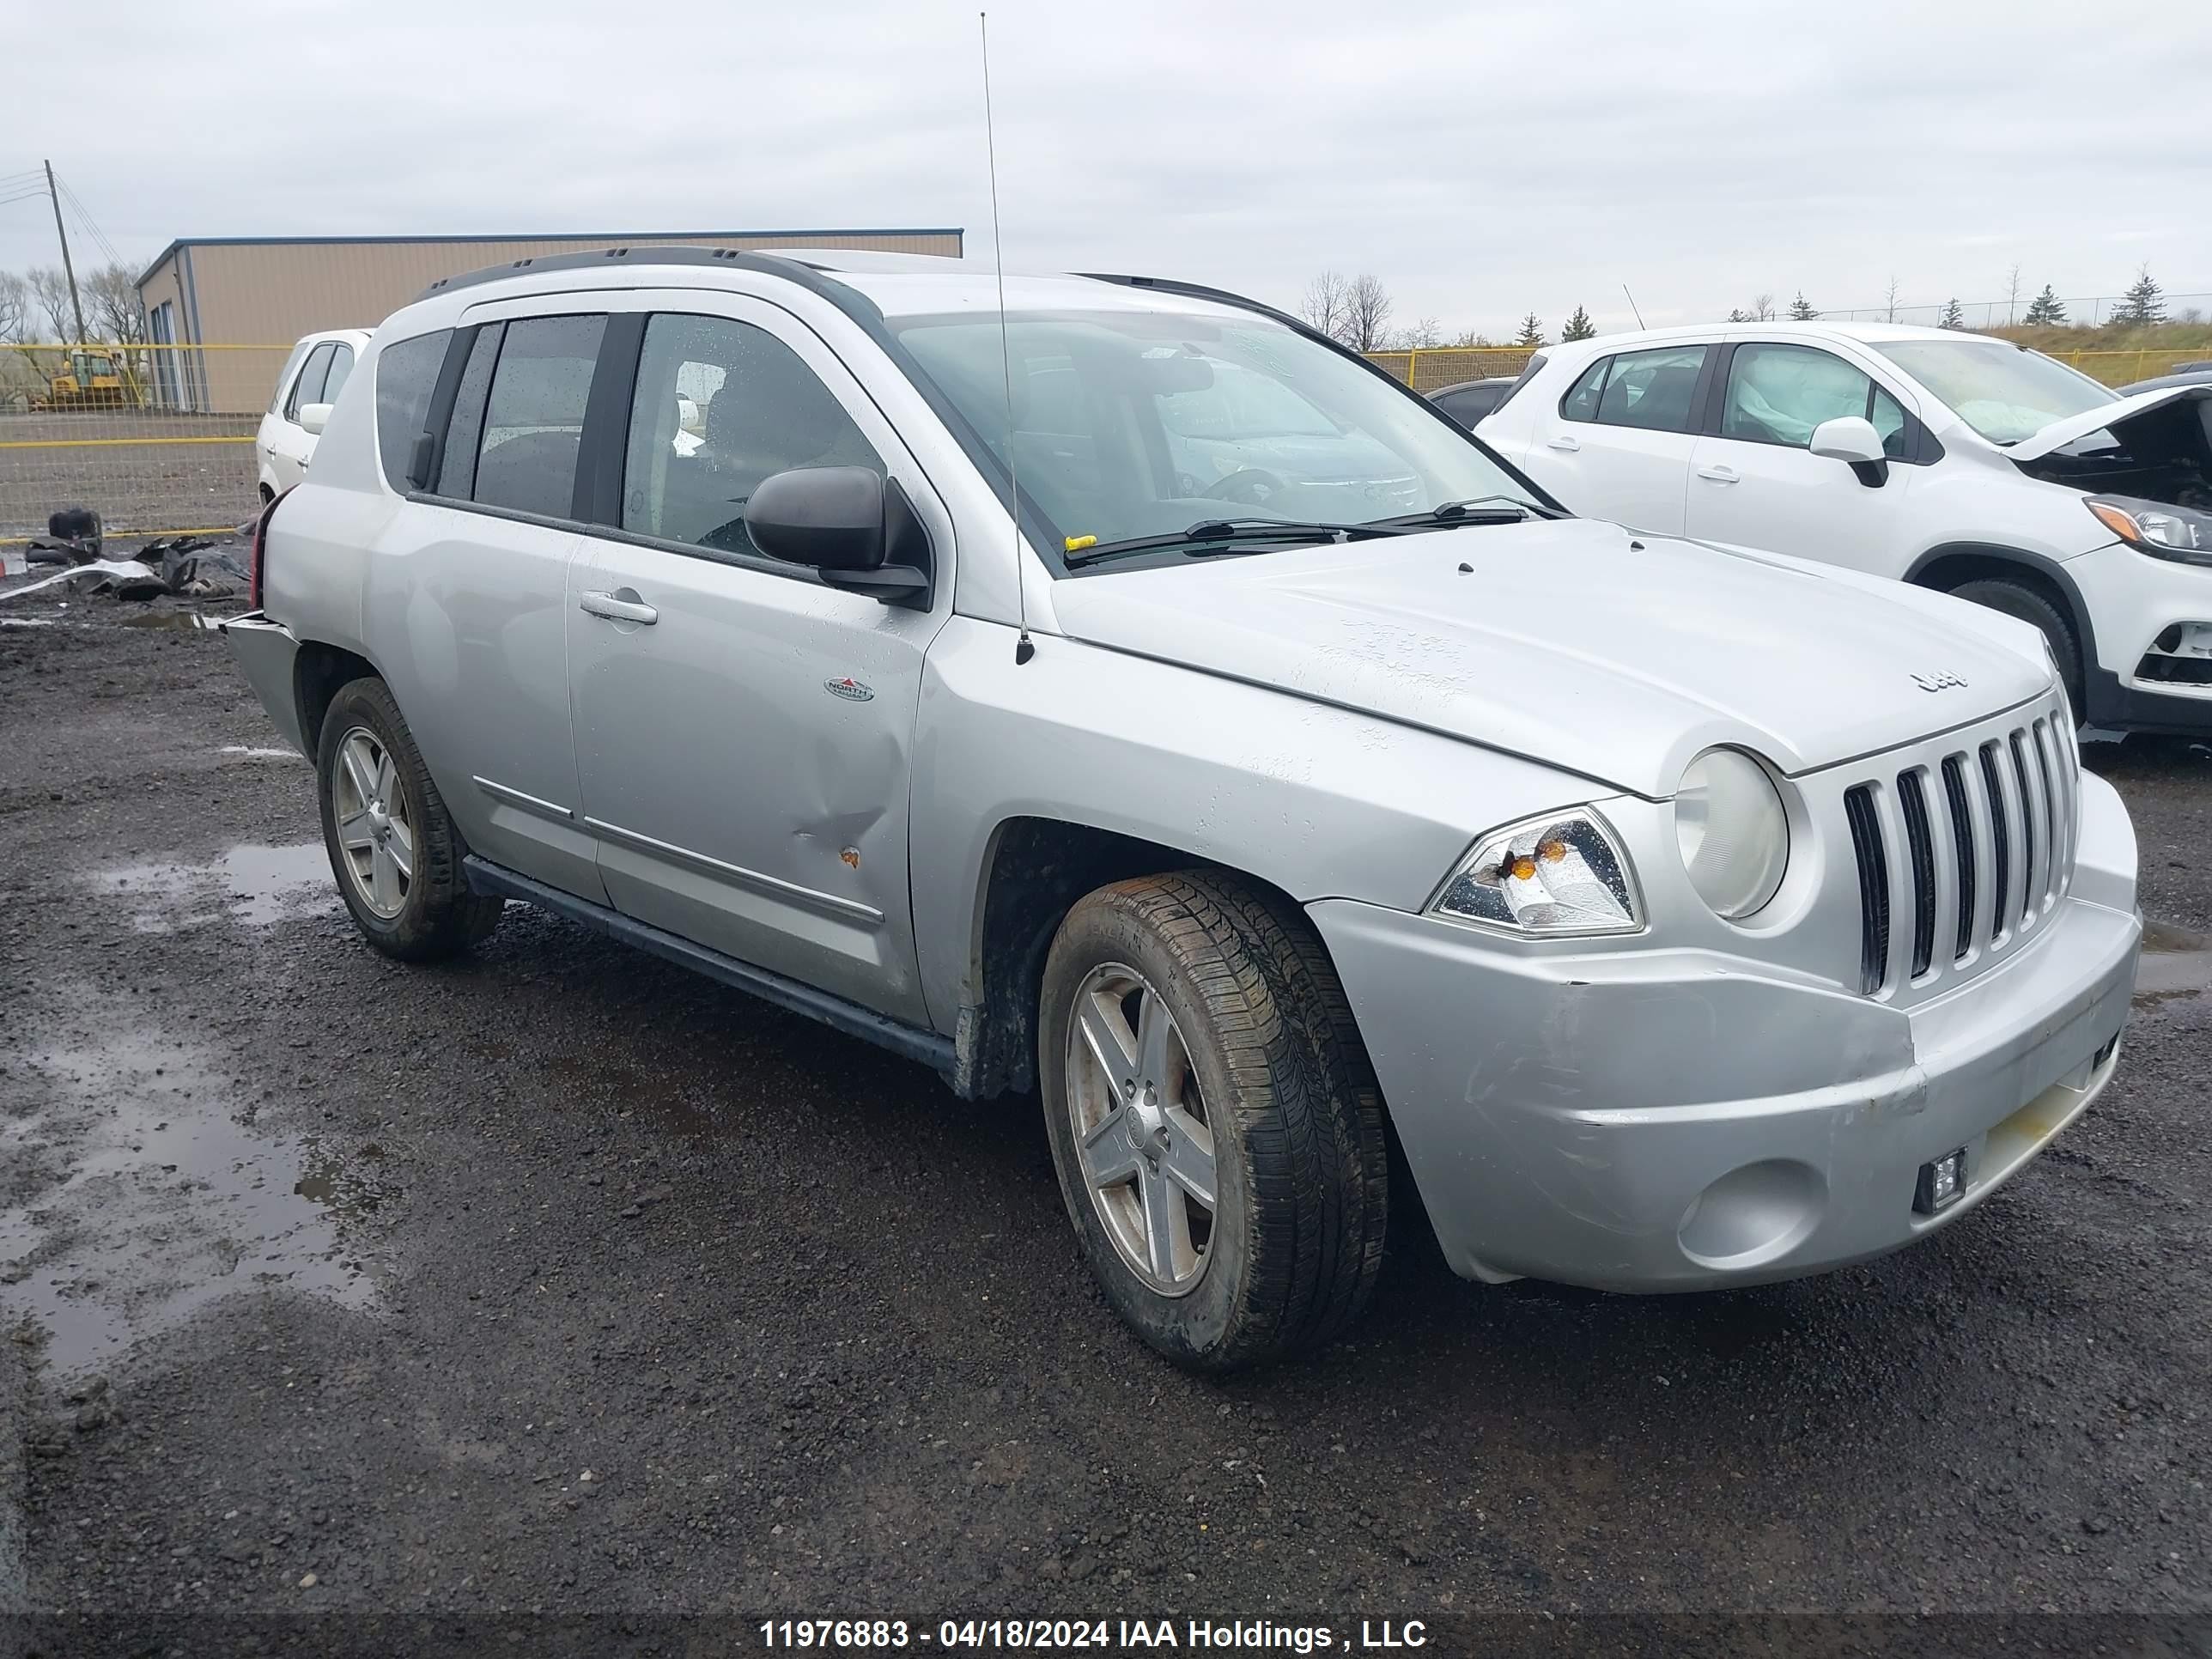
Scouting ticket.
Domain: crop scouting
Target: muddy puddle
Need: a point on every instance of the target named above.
(179, 622)
(2176, 966)
(140, 1190)
(252, 884)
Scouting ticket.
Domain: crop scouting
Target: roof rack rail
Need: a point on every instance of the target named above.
(743, 259)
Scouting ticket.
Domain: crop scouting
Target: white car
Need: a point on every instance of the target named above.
(1955, 461)
(314, 373)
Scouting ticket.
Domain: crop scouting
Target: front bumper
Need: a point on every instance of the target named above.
(1656, 1120)
(2132, 598)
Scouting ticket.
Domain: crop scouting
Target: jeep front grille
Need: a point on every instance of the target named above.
(1971, 837)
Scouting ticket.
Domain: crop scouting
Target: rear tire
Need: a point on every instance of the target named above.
(1257, 1082)
(394, 849)
(2026, 604)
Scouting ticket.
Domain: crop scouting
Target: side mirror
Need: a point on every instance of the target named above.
(1848, 438)
(1852, 438)
(314, 417)
(855, 527)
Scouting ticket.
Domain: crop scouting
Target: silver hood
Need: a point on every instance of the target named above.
(1572, 644)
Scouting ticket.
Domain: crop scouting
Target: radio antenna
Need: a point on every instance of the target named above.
(1631, 304)
(1024, 648)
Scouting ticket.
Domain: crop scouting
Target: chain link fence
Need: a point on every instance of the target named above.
(157, 440)
(1980, 316)
(1431, 368)
(2118, 369)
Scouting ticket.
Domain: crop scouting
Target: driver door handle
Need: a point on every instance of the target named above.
(617, 609)
(1719, 474)
(1569, 444)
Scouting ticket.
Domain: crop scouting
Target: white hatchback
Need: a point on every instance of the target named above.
(317, 367)
(1955, 461)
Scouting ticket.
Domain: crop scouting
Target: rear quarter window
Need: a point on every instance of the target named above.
(406, 374)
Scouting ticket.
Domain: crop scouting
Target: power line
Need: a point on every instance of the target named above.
(84, 217)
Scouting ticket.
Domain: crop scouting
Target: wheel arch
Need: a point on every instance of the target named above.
(318, 671)
(1034, 870)
(1950, 564)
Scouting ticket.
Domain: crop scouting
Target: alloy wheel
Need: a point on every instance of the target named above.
(1142, 1130)
(375, 822)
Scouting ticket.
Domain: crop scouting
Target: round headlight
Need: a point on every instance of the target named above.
(1733, 832)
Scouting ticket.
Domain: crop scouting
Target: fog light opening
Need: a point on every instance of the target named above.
(1754, 1215)
(1942, 1183)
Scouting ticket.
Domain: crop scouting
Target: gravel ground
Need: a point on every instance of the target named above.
(366, 1308)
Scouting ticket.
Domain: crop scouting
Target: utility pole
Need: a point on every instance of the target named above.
(67, 270)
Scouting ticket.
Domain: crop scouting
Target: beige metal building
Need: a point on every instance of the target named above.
(265, 292)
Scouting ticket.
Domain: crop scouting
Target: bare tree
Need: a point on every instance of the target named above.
(1889, 298)
(1327, 298)
(1762, 308)
(1366, 313)
(18, 372)
(2012, 294)
(113, 307)
(50, 290)
(1419, 336)
(16, 310)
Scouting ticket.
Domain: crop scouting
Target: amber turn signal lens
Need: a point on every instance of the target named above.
(2118, 521)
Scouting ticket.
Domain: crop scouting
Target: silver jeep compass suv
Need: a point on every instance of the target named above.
(1133, 698)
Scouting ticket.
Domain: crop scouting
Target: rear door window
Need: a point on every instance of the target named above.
(341, 368)
(1581, 402)
(406, 375)
(1470, 406)
(308, 388)
(533, 419)
(1656, 391)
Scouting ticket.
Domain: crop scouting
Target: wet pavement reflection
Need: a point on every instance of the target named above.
(143, 1189)
(253, 885)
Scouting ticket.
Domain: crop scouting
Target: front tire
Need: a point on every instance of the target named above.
(1214, 1123)
(2025, 604)
(392, 846)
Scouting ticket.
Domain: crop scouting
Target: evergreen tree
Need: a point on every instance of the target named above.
(1801, 310)
(1953, 317)
(1531, 331)
(2145, 301)
(1579, 327)
(2045, 310)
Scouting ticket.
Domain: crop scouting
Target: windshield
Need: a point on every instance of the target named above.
(1142, 423)
(2005, 393)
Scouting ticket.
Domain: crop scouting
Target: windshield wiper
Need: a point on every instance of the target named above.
(1478, 509)
(1210, 535)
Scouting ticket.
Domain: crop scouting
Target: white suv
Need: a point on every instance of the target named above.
(1951, 460)
(318, 367)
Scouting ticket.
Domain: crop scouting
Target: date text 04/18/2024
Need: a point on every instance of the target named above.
(1067, 1634)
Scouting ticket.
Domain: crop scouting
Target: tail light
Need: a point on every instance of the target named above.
(260, 551)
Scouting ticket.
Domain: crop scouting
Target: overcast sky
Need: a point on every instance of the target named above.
(1481, 159)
